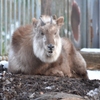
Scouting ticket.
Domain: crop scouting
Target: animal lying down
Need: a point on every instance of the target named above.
(38, 49)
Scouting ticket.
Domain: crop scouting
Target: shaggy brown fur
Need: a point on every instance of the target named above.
(22, 57)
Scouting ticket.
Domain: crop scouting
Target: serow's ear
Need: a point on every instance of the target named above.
(35, 21)
(60, 21)
(54, 17)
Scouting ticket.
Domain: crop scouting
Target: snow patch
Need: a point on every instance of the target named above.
(90, 50)
(95, 94)
(49, 87)
(5, 63)
(93, 74)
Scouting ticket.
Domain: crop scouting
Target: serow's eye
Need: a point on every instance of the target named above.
(55, 33)
(42, 33)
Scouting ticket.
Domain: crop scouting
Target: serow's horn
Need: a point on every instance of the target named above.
(42, 23)
(51, 20)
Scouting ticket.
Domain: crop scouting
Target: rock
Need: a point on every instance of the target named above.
(60, 96)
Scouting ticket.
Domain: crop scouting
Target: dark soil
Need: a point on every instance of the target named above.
(23, 87)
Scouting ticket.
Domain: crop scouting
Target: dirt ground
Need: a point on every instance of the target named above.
(30, 87)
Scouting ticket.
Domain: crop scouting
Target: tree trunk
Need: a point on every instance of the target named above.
(46, 7)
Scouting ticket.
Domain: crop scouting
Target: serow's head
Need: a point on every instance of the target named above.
(47, 42)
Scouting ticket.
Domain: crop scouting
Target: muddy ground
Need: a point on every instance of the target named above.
(28, 87)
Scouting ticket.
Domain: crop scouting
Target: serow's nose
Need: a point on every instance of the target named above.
(51, 47)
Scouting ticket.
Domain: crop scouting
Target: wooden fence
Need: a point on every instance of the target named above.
(14, 13)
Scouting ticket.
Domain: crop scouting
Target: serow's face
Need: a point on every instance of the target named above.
(47, 42)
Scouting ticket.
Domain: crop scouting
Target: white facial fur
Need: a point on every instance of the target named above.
(41, 51)
(43, 55)
(50, 37)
